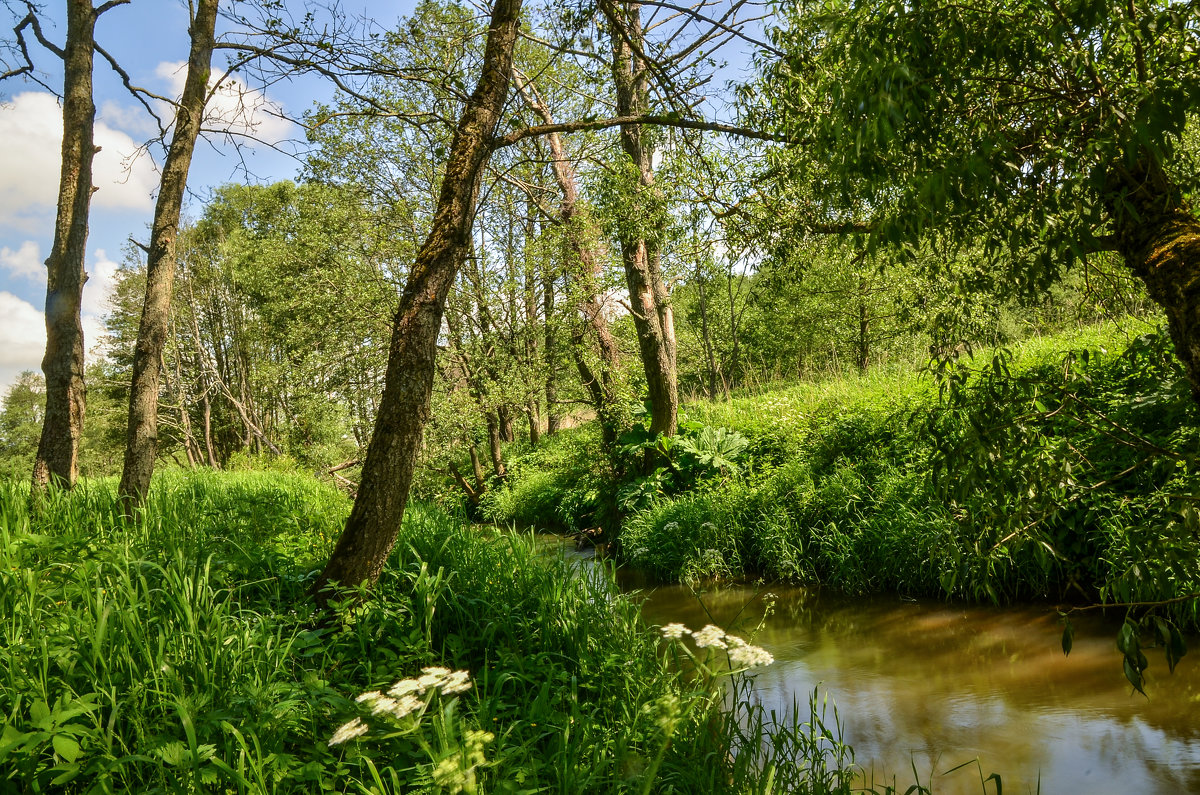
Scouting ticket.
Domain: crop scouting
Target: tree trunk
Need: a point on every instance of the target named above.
(550, 351)
(494, 447)
(648, 296)
(532, 409)
(581, 237)
(142, 437)
(535, 421)
(504, 415)
(864, 327)
(1160, 242)
(374, 523)
(57, 458)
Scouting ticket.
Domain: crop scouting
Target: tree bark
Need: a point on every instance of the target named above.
(142, 436)
(648, 295)
(494, 447)
(550, 352)
(581, 237)
(374, 523)
(1160, 243)
(57, 458)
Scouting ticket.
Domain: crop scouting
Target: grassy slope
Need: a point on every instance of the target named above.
(1037, 485)
(180, 656)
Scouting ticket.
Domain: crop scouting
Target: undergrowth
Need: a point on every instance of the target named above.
(180, 654)
(1064, 469)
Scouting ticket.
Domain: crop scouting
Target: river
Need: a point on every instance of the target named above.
(925, 686)
(930, 685)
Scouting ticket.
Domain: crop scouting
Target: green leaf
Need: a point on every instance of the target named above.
(1068, 638)
(1134, 676)
(1176, 648)
(1127, 642)
(40, 713)
(66, 747)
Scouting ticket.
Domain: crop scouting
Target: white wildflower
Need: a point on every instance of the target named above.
(405, 687)
(348, 731)
(431, 677)
(370, 695)
(675, 631)
(383, 704)
(405, 705)
(711, 635)
(455, 682)
(747, 656)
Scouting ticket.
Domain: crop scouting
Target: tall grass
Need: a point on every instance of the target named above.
(1063, 470)
(179, 654)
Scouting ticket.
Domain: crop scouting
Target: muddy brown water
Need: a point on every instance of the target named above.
(928, 685)
(925, 686)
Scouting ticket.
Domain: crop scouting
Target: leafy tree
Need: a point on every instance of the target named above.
(1033, 133)
(21, 424)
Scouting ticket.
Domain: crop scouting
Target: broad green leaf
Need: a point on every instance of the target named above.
(66, 747)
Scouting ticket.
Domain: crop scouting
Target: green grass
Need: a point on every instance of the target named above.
(1064, 470)
(180, 654)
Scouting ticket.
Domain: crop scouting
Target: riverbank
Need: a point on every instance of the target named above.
(1062, 470)
(180, 654)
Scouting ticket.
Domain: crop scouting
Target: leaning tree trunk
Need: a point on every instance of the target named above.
(142, 437)
(648, 296)
(580, 238)
(374, 523)
(1160, 243)
(58, 449)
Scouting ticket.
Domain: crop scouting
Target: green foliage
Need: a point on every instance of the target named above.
(179, 654)
(21, 425)
(1014, 130)
(1059, 471)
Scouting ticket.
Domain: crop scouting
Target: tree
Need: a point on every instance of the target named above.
(387, 474)
(142, 437)
(21, 423)
(641, 232)
(57, 459)
(1038, 134)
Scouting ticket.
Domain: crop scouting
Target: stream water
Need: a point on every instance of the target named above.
(925, 686)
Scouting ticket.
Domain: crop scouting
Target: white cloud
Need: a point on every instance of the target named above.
(131, 118)
(24, 263)
(23, 327)
(22, 339)
(98, 289)
(31, 128)
(234, 107)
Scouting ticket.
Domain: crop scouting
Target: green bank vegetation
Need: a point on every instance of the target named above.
(180, 655)
(1059, 470)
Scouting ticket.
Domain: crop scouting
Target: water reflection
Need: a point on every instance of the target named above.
(933, 685)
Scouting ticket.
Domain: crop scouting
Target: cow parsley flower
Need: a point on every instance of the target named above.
(711, 636)
(348, 731)
(675, 631)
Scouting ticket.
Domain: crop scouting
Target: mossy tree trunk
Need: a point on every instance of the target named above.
(640, 253)
(57, 458)
(374, 523)
(1158, 235)
(142, 437)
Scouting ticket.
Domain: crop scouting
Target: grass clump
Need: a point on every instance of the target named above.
(179, 654)
(1064, 469)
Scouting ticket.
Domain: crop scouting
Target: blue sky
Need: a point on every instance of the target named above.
(149, 39)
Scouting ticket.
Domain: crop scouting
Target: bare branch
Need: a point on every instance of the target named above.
(662, 121)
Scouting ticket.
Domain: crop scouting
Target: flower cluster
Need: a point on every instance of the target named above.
(404, 698)
(741, 653)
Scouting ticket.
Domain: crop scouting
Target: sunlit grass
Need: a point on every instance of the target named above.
(180, 654)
